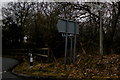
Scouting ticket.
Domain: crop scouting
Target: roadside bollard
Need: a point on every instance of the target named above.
(31, 60)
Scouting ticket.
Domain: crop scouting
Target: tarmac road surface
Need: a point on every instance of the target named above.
(7, 64)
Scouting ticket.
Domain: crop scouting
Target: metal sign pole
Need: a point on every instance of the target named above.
(74, 49)
(74, 60)
(71, 50)
(66, 38)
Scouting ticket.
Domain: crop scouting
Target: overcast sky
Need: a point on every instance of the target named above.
(2, 2)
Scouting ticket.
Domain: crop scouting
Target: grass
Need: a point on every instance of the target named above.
(88, 66)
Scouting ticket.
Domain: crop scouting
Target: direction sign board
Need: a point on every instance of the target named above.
(65, 26)
(68, 29)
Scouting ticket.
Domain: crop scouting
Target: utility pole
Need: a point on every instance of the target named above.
(101, 34)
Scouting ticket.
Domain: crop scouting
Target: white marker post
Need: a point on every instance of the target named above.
(31, 60)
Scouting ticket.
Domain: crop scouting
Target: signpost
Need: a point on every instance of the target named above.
(68, 28)
(71, 26)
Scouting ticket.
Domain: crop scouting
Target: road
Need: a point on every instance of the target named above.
(7, 64)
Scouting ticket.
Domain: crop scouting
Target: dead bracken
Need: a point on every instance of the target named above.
(88, 66)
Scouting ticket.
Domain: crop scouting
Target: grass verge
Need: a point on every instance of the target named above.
(88, 66)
